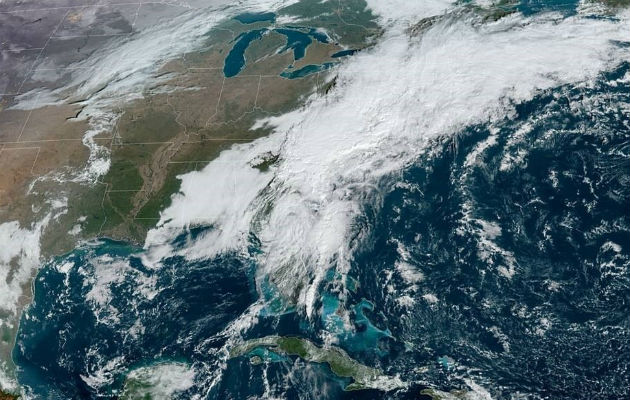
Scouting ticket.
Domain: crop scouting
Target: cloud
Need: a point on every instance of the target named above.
(388, 103)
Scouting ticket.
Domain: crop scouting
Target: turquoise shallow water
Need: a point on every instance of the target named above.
(560, 205)
(99, 305)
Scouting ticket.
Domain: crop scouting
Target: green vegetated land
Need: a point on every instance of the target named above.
(7, 396)
(176, 127)
(340, 363)
(165, 135)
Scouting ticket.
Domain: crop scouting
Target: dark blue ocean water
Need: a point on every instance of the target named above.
(520, 230)
(518, 234)
(65, 334)
(559, 327)
(299, 38)
(529, 7)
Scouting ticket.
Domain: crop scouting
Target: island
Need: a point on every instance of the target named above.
(340, 363)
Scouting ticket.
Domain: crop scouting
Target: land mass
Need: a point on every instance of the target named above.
(340, 363)
(178, 125)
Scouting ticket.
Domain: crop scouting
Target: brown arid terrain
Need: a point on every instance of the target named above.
(106, 104)
(176, 126)
(163, 134)
(7, 396)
